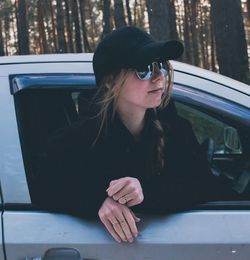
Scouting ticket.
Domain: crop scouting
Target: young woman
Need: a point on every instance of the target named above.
(135, 154)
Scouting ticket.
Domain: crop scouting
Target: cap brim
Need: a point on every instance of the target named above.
(159, 51)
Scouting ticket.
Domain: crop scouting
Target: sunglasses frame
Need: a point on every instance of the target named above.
(155, 70)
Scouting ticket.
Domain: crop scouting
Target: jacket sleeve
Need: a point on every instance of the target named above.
(70, 180)
(188, 182)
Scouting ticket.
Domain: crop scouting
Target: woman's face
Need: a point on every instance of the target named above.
(142, 94)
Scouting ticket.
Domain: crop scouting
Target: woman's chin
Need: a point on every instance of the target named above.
(154, 104)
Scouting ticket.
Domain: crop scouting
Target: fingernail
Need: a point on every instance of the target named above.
(136, 234)
(130, 240)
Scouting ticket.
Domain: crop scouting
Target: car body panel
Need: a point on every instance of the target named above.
(12, 172)
(36, 68)
(186, 234)
(202, 234)
(213, 87)
(212, 76)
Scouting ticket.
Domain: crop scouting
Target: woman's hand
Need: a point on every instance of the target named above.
(119, 220)
(126, 190)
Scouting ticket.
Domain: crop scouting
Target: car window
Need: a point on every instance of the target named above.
(225, 137)
(43, 111)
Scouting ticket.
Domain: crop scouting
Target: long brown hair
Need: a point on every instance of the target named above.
(107, 96)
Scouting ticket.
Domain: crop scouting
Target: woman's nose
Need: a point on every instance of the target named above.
(158, 75)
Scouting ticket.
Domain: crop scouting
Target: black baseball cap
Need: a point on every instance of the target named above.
(131, 48)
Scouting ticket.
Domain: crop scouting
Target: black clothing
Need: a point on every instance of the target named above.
(76, 173)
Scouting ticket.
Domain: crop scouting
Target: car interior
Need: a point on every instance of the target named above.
(42, 111)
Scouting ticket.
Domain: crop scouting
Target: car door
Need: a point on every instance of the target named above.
(39, 105)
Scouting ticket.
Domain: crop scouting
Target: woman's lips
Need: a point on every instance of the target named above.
(155, 91)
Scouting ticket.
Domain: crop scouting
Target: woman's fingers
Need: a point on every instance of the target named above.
(116, 187)
(134, 199)
(118, 220)
(126, 190)
(126, 229)
(126, 222)
(123, 193)
(116, 224)
(130, 198)
(111, 229)
(131, 222)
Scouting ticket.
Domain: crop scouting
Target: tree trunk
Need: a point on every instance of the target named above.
(106, 17)
(248, 9)
(119, 14)
(188, 50)
(87, 47)
(55, 40)
(172, 21)
(140, 8)
(48, 29)
(22, 25)
(194, 41)
(135, 12)
(231, 46)
(60, 27)
(1, 40)
(213, 51)
(7, 28)
(75, 14)
(159, 14)
(93, 29)
(68, 27)
(201, 40)
(129, 13)
(41, 28)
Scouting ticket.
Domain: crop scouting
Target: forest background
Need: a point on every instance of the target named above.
(216, 33)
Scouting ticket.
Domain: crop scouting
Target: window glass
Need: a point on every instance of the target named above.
(225, 137)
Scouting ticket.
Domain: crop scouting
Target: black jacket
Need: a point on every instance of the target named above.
(76, 174)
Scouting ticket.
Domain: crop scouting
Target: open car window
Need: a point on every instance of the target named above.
(43, 108)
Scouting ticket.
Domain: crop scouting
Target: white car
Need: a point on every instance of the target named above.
(39, 94)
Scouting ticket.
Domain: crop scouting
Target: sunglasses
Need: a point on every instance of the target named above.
(156, 68)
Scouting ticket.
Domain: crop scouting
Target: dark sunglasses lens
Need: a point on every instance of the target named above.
(154, 68)
(144, 73)
(165, 68)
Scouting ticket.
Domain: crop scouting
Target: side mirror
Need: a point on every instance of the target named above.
(231, 140)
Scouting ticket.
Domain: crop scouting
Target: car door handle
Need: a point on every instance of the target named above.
(60, 254)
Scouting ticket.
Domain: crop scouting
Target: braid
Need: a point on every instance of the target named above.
(159, 144)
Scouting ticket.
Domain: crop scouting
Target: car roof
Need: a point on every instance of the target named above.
(179, 67)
